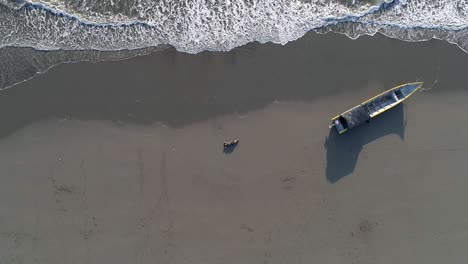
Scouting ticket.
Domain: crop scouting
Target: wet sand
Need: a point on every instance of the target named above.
(122, 162)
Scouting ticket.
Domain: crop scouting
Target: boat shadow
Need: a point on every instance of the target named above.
(343, 150)
(229, 150)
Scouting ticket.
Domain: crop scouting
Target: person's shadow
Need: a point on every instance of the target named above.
(343, 150)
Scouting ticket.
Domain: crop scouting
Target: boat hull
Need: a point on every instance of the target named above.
(374, 106)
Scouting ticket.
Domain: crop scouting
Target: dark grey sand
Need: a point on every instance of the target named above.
(122, 162)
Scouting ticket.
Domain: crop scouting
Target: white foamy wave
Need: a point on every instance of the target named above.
(190, 26)
(220, 25)
(436, 14)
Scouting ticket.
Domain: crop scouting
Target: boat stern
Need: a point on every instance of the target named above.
(339, 126)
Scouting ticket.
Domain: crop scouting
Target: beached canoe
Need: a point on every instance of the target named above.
(373, 107)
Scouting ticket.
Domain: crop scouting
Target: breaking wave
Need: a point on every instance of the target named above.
(220, 25)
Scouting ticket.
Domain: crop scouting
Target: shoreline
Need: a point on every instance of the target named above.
(150, 88)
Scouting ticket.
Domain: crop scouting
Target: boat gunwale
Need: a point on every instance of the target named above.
(387, 91)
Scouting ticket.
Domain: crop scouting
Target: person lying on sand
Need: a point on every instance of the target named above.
(231, 143)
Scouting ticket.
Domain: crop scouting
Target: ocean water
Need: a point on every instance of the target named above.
(193, 26)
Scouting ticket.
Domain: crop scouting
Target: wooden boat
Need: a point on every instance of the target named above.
(373, 107)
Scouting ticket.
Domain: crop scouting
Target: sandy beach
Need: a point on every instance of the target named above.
(122, 162)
